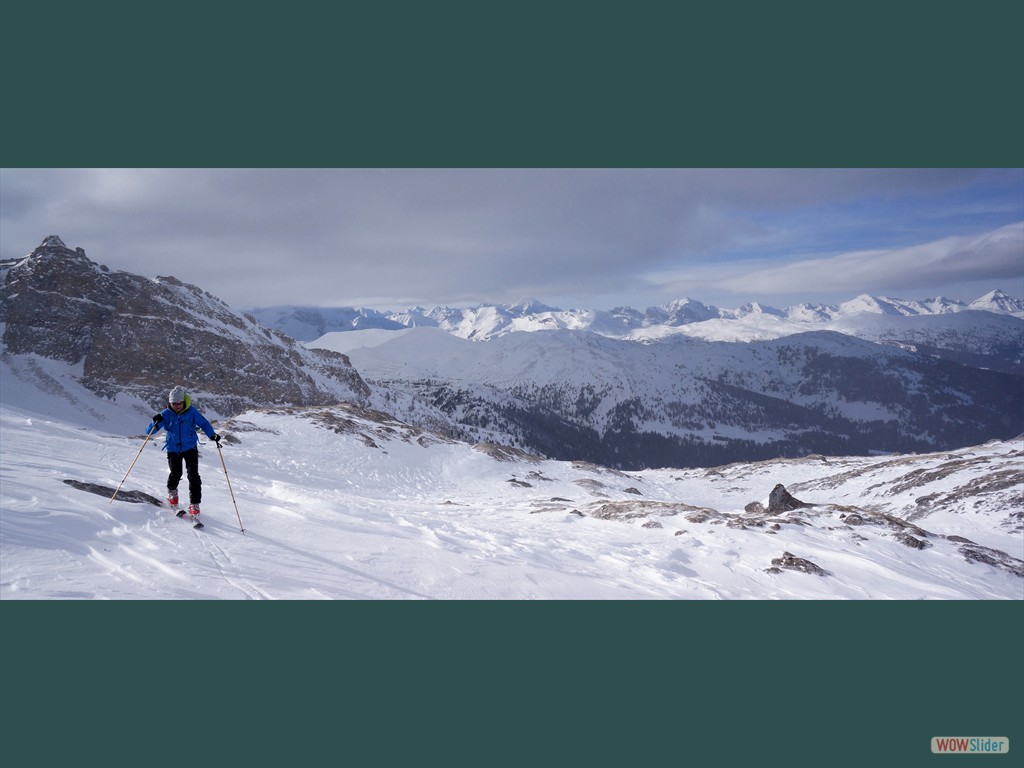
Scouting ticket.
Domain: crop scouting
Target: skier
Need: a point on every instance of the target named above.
(181, 420)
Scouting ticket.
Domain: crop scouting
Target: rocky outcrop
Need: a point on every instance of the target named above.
(791, 562)
(780, 500)
(131, 496)
(141, 336)
(56, 302)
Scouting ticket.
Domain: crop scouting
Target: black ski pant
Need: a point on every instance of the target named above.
(195, 483)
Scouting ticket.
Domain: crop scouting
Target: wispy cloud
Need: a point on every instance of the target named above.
(995, 256)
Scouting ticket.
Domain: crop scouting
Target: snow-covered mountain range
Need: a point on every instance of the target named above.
(689, 383)
(987, 332)
(750, 322)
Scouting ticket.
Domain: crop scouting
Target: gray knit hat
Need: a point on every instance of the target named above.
(177, 395)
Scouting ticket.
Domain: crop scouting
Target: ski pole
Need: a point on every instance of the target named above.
(219, 451)
(145, 442)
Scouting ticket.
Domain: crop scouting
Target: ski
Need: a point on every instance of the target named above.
(182, 513)
(178, 512)
(195, 523)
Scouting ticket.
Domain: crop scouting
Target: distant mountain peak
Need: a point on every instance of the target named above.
(531, 306)
(683, 302)
(994, 296)
(756, 308)
(997, 301)
(52, 241)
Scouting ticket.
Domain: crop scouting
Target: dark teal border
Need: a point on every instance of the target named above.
(508, 683)
(448, 84)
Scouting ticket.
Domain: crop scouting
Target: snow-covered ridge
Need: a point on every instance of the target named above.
(682, 401)
(689, 316)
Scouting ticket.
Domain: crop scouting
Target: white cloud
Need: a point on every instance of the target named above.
(995, 256)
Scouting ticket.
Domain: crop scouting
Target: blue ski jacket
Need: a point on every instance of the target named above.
(181, 428)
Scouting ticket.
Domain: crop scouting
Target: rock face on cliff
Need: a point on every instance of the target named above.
(139, 336)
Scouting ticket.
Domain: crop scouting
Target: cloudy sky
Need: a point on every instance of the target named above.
(585, 238)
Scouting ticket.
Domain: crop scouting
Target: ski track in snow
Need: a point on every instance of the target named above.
(327, 517)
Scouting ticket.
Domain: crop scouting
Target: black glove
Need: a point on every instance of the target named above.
(216, 438)
(158, 418)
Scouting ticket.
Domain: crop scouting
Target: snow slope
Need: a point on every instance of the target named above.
(345, 503)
